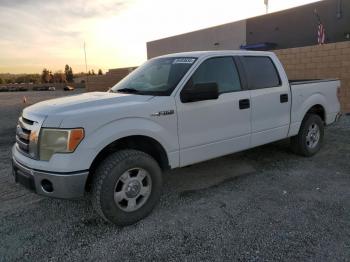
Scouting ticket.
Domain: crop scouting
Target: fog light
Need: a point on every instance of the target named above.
(47, 186)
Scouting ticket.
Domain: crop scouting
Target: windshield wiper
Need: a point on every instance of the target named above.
(128, 90)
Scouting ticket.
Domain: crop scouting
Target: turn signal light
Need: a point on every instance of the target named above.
(76, 135)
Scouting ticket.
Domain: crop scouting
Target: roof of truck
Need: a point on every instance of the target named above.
(218, 52)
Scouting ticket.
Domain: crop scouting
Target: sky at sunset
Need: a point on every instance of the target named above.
(48, 33)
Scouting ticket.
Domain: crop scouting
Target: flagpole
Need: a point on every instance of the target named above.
(317, 16)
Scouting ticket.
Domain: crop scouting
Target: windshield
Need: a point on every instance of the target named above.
(158, 76)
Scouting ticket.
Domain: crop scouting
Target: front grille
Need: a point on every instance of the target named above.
(24, 129)
(27, 121)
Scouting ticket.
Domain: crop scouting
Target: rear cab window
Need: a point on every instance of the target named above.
(261, 72)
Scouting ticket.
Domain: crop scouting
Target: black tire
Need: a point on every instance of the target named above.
(299, 143)
(107, 176)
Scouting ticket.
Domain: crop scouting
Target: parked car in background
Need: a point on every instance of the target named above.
(173, 111)
(68, 88)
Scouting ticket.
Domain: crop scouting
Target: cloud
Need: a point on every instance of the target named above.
(76, 8)
(33, 30)
(52, 16)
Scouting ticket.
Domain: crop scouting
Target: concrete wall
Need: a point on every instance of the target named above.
(104, 82)
(227, 36)
(326, 61)
(297, 27)
(294, 27)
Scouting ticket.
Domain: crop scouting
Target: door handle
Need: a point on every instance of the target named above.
(244, 103)
(284, 98)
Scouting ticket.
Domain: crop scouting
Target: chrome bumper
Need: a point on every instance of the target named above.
(59, 185)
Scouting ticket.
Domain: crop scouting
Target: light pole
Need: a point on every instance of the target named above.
(86, 81)
(266, 2)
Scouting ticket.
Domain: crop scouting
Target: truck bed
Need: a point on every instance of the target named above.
(309, 81)
(304, 92)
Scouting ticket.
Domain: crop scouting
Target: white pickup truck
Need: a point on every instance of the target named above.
(173, 111)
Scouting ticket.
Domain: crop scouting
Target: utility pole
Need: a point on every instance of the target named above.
(86, 81)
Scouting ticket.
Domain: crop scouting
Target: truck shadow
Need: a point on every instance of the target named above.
(214, 172)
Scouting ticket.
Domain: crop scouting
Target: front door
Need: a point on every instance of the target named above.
(213, 128)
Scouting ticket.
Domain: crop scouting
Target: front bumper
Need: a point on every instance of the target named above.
(59, 185)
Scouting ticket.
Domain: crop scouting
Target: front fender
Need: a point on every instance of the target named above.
(115, 130)
(135, 126)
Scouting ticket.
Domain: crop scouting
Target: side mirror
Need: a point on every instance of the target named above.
(199, 92)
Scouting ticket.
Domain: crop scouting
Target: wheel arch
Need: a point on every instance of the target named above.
(315, 104)
(317, 109)
(142, 143)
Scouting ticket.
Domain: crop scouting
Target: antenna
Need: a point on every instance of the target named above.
(85, 66)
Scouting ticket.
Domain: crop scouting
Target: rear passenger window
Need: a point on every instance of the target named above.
(221, 70)
(261, 72)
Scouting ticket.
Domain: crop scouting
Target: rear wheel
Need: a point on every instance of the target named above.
(310, 137)
(126, 187)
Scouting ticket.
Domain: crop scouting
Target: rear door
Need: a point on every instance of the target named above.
(213, 128)
(270, 100)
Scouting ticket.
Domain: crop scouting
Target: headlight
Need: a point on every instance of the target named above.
(59, 141)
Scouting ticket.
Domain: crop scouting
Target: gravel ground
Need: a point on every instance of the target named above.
(262, 204)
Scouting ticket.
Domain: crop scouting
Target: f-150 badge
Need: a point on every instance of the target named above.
(164, 113)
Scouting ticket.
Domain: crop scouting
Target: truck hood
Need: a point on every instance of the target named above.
(76, 104)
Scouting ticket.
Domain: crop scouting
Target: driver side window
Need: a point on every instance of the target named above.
(220, 70)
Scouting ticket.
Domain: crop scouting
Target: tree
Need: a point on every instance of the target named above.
(33, 78)
(50, 77)
(45, 76)
(21, 79)
(81, 74)
(59, 77)
(92, 72)
(69, 73)
(100, 72)
(1, 81)
(66, 69)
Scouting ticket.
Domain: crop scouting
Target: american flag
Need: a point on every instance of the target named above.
(321, 34)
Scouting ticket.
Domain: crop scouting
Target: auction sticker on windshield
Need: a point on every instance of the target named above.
(184, 61)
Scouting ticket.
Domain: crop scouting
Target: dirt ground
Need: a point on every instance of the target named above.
(262, 204)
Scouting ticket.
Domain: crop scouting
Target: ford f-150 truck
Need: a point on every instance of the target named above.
(173, 111)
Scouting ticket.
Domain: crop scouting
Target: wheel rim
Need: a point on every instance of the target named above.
(313, 135)
(132, 189)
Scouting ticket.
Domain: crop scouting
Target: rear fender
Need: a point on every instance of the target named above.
(299, 110)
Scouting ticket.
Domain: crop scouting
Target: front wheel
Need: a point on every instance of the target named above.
(310, 137)
(126, 187)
